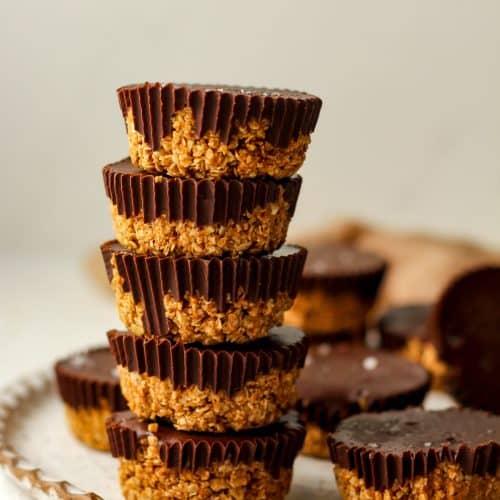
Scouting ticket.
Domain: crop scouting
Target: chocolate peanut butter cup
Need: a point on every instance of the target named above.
(213, 131)
(417, 454)
(342, 379)
(214, 389)
(157, 461)
(170, 216)
(338, 288)
(465, 326)
(207, 300)
(89, 387)
(404, 329)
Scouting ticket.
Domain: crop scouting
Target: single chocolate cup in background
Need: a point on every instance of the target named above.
(212, 389)
(89, 387)
(415, 453)
(157, 461)
(154, 214)
(402, 325)
(404, 329)
(336, 292)
(206, 300)
(465, 327)
(209, 132)
(339, 380)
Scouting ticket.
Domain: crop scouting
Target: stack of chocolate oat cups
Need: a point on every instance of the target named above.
(202, 279)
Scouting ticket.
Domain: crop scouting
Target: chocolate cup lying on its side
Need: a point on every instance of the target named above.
(464, 325)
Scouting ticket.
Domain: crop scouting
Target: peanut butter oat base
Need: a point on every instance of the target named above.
(444, 482)
(88, 425)
(426, 354)
(442, 373)
(413, 350)
(246, 154)
(261, 401)
(262, 230)
(315, 444)
(197, 319)
(317, 312)
(146, 477)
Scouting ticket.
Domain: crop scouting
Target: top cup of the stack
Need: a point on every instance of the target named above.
(216, 131)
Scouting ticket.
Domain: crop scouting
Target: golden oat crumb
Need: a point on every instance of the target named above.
(196, 319)
(260, 402)
(247, 153)
(88, 424)
(444, 482)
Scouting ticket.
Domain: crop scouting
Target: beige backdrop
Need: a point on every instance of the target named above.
(409, 133)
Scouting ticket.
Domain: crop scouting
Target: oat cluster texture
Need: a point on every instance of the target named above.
(202, 278)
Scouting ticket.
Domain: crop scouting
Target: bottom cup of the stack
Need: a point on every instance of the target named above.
(157, 461)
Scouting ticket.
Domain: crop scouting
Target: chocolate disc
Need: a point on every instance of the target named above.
(276, 445)
(343, 379)
(226, 367)
(465, 325)
(87, 378)
(402, 445)
(399, 324)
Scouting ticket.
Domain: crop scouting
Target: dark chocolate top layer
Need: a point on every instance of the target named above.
(337, 267)
(203, 202)
(223, 280)
(87, 378)
(465, 326)
(336, 260)
(401, 323)
(343, 379)
(276, 445)
(220, 109)
(227, 89)
(402, 445)
(225, 367)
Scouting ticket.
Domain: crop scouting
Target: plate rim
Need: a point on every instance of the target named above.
(32, 478)
(27, 475)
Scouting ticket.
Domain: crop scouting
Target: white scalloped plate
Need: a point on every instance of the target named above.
(38, 451)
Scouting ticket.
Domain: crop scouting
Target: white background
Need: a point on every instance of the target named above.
(409, 133)
(408, 136)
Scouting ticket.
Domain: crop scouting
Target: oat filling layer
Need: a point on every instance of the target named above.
(88, 425)
(445, 481)
(262, 230)
(260, 402)
(148, 477)
(246, 154)
(426, 354)
(315, 443)
(317, 312)
(197, 319)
